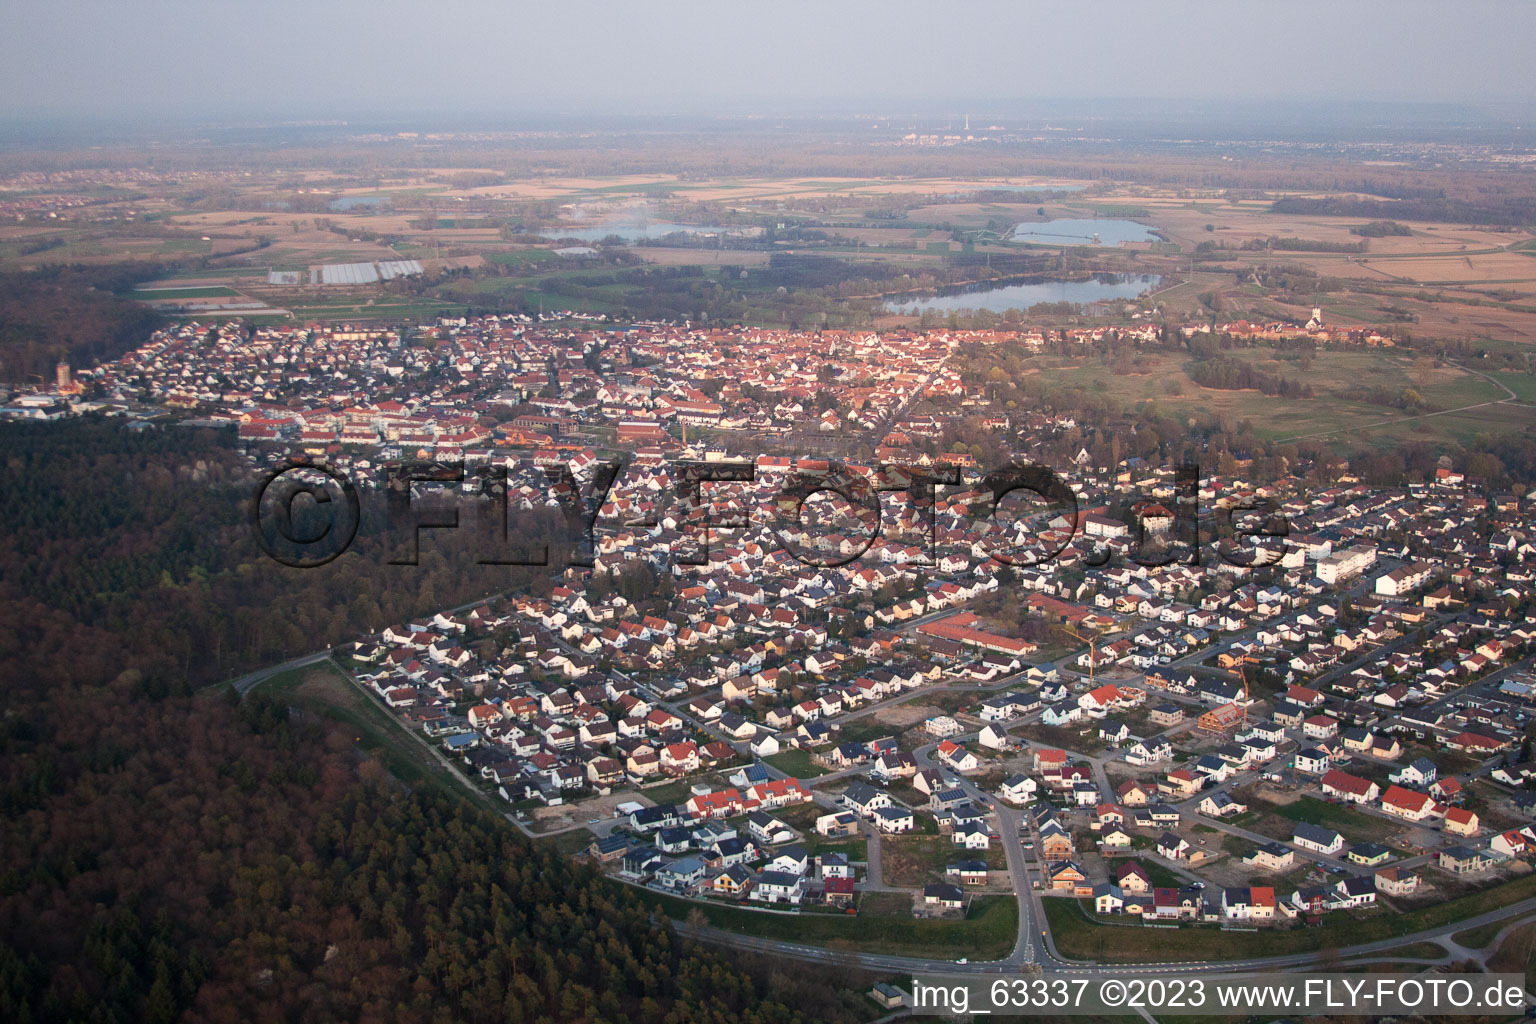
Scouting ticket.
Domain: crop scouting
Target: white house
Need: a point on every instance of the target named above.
(1018, 789)
(1316, 838)
(895, 819)
(994, 738)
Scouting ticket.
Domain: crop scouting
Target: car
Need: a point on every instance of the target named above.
(594, 821)
(963, 960)
(1029, 845)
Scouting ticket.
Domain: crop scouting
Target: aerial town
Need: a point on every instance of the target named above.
(596, 514)
(926, 711)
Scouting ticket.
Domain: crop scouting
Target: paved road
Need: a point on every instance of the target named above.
(1487, 683)
(1008, 819)
(874, 871)
(244, 683)
(1054, 963)
(1027, 951)
(878, 432)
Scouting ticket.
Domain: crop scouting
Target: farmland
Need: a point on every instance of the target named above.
(1459, 401)
(492, 233)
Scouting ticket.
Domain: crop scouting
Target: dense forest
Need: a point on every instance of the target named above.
(1293, 244)
(796, 289)
(172, 855)
(1230, 374)
(199, 859)
(69, 313)
(139, 541)
(1381, 229)
(1510, 211)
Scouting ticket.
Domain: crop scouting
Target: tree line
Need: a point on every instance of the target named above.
(209, 860)
(70, 312)
(1229, 374)
(134, 545)
(1505, 211)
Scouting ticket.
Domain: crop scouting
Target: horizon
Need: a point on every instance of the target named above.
(180, 62)
(1051, 121)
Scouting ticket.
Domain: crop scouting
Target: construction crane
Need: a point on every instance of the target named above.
(1242, 673)
(1092, 653)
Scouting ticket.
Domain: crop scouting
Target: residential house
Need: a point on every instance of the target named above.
(1272, 857)
(1317, 838)
(943, 895)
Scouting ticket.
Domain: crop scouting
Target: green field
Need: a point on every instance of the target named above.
(853, 849)
(671, 793)
(1077, 933)
(988, 932)
(1279, 820)
(1522, 384)
(522, 258)
(1352, 823)
(1477, 938)
(1162, 379)
(1420, 951)
(203, 292)
(913, 861)
(797, 763)
(396, 308)
(1162, 876)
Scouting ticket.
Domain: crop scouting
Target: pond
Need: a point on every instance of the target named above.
(997, 297)
(1084, 231)
(344, 203)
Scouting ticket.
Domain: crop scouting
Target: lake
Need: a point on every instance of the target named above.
(1021, 295)
(1081, 232)
(353, 202)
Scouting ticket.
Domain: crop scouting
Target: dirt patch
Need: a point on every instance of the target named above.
(1269, 794)
(914, 861)
(326, 684)
(903, 716)
(550, 819)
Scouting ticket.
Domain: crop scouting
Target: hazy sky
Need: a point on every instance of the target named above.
(319, 59)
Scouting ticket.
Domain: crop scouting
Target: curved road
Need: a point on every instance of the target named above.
(1027, 954)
